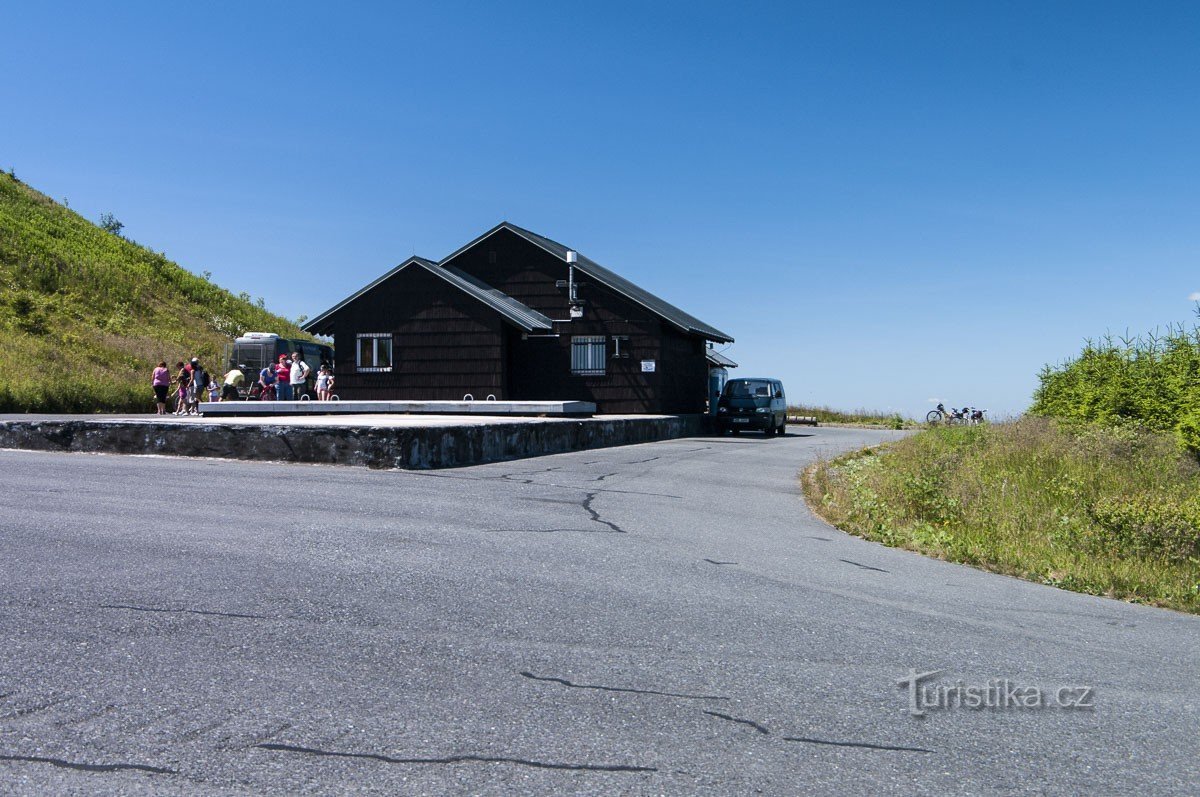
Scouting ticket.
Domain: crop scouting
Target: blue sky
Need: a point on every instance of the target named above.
(883, 202)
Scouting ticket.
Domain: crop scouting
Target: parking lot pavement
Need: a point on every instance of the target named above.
(659, 618)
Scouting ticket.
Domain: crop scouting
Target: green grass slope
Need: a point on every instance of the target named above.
(85, 314)
(1107, 511)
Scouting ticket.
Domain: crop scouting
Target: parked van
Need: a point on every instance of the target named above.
(752, 403)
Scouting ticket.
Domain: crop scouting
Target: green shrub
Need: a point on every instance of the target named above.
(1147, 524)
(1188, 432)
(1151, 381)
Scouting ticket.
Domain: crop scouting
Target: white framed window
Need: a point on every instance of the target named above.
(374, 352)
(587, 355)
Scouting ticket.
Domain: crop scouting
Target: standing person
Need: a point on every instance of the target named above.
(182, 380)
(160, 381)
(266, 380)
(299, 375)
(283, 379)
(324, 383)
(233, 380)
(214, 390)
(199, 383)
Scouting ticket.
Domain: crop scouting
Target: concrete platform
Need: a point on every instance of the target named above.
(376, 441)
(490, 408)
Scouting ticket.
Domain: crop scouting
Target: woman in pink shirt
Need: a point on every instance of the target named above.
(283, 379)
(160, 382)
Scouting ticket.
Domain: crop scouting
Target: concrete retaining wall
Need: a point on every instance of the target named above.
(412, 447)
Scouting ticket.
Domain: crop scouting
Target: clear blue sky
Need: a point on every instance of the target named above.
(883, 202)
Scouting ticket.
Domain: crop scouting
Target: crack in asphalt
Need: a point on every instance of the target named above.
(459, 759)
(605, 476)
(866, 745)
(660, 456)
(535, 483)
(601, 688)
(864, 567)
(88, 717)
(822, 539)
(21, 712)
(182, 611)
(587, 505)
(760, 728)
(715, 562)
(60, 763)
(549, 531)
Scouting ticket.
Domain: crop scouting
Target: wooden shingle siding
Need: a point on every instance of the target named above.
(445, 343)
(541, 368)
(452, 336)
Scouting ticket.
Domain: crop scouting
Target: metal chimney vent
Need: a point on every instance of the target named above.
(572, 256)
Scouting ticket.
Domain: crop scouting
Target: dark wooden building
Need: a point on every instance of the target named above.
(518, 316)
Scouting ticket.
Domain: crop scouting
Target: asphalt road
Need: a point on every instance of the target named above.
(663, 618)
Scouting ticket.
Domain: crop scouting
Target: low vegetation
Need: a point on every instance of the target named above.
(1107, 510)
(85, 313)
(1151, 382)
(859, 417)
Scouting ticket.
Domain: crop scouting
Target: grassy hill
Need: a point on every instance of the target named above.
(86, 314)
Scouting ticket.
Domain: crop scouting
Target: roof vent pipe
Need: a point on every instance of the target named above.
(572, 259)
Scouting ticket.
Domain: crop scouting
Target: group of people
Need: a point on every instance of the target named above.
(285, 380)
(192, 384)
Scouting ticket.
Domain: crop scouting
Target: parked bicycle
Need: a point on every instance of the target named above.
(954, 416)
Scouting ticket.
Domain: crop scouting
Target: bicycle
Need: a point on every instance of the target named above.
(955, 417)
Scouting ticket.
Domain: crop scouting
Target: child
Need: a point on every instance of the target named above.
(324, 384)
(214, 390)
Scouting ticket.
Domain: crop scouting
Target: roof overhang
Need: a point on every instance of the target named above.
(518, 314)
(720, 360)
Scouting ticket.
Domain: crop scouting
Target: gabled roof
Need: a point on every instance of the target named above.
(717, 358)
(522, 316)
(661, 307)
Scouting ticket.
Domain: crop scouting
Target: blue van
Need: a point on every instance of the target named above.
(752, 403)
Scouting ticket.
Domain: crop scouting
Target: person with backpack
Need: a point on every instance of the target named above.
(197, 387)
(299, 375)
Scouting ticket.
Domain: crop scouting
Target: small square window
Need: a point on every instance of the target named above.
(374, 353)
(587, 355)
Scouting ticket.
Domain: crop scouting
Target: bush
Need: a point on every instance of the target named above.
(1147, 524)
(1188, 432)
(1152, 381)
